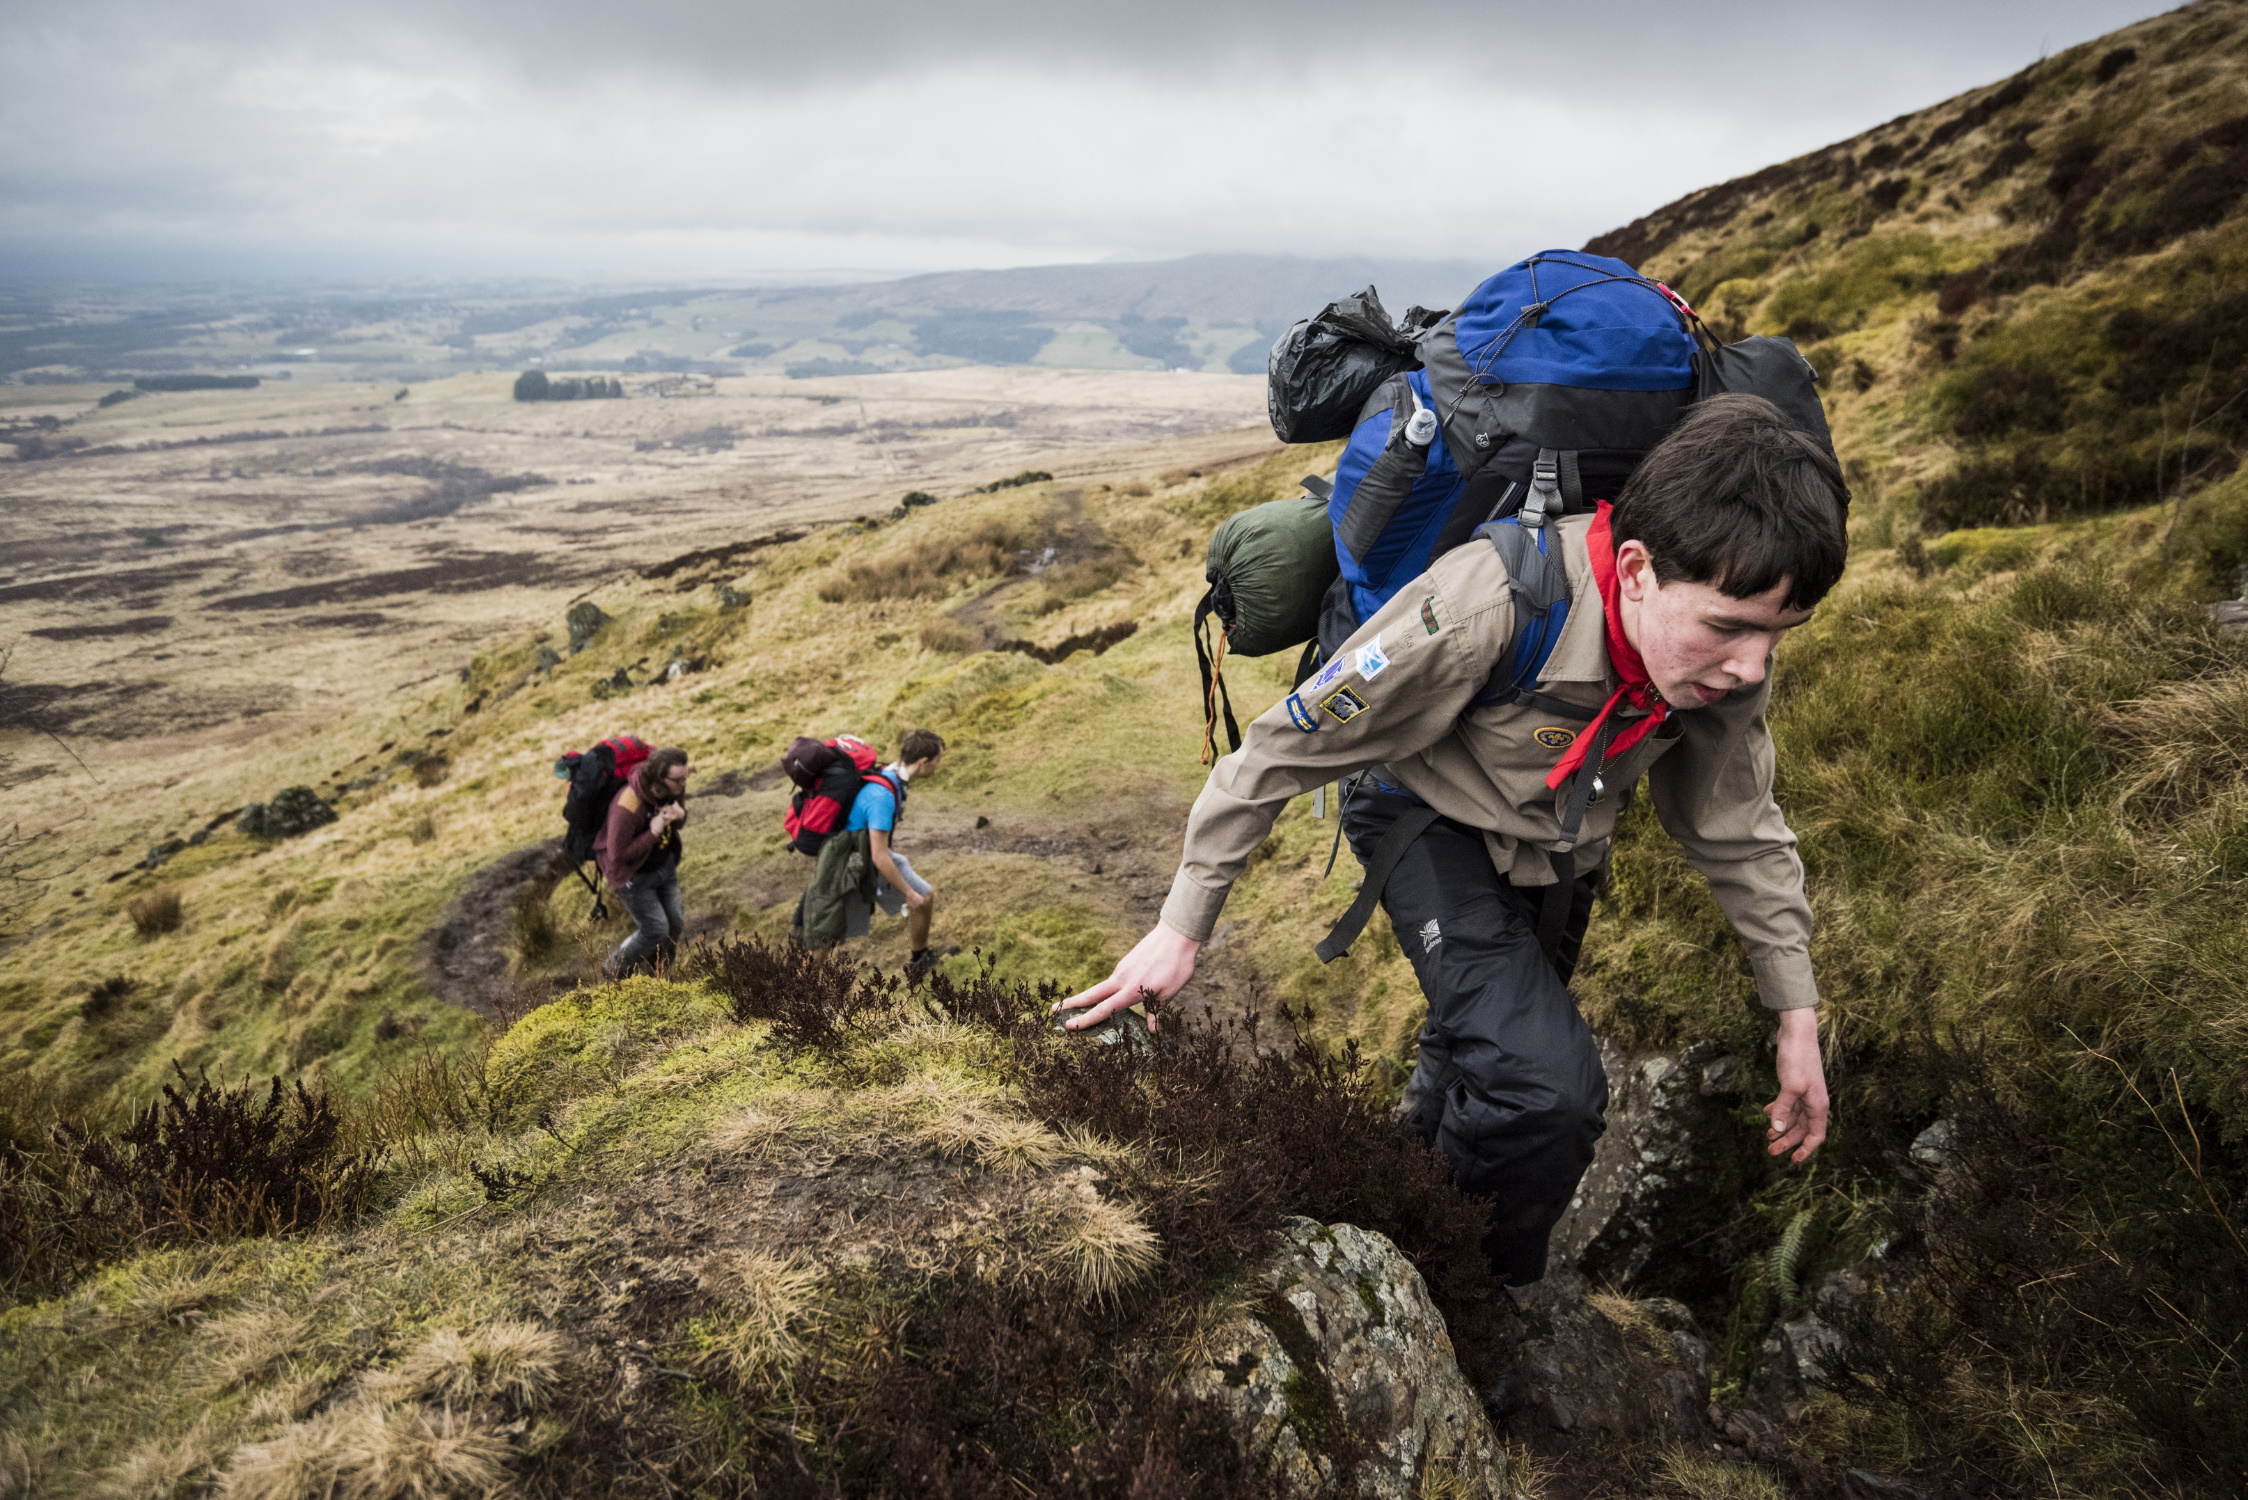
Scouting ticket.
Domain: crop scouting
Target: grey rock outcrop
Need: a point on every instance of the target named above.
(1342, 1374)
(585, 620)
(1605, 1365)
(1666, 1119)
(294, 810)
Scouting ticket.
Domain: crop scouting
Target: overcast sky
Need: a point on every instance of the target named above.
(176, 139)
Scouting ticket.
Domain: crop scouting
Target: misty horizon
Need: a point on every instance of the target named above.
(250, 141)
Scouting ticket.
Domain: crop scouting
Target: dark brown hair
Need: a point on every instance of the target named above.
(1737, 498)
(920, 745)
(657, 766)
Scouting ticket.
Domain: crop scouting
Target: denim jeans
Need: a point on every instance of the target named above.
(652, 901)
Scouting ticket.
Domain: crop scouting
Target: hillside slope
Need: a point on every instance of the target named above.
(2028, 302)
(2011, 752)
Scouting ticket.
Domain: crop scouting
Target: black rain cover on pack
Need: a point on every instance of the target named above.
(1322, 370)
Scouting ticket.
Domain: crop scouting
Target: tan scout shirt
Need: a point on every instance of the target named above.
(1416, 665)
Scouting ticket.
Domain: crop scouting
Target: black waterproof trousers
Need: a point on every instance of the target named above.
(1509, 1084)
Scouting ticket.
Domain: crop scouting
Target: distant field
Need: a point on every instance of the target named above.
(212, 571)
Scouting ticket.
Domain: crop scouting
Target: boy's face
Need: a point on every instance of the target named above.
(922, 770)
(1698, 641)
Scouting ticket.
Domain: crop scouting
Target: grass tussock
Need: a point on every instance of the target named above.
(154, 913)
(948, 637)
(515, 1363)
(531, 933)
(373, 1452)
(993, 547)
(431, 770)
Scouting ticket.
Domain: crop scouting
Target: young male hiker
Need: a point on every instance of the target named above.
(900, 890)
(1485, 829)
(638, 853)
(859, 869)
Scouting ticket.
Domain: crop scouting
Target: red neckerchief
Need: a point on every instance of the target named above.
(1638, 690)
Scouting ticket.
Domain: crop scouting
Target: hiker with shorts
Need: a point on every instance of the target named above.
(1484, 820)
(899, 889)
(638, 854)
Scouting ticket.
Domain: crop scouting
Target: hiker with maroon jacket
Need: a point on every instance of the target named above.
(638, 853)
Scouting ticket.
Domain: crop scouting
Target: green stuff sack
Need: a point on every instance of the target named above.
(1269, 569)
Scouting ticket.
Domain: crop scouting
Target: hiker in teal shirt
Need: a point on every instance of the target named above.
(900, 891)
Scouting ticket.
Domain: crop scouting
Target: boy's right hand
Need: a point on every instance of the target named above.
(1155, 970)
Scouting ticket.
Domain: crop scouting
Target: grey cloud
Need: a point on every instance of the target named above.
(428, 136)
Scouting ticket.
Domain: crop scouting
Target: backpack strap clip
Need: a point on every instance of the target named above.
(1545, 491)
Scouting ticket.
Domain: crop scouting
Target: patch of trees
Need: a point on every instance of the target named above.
(196, 383)
(1157, 339)
(986, 338)
(537, 385)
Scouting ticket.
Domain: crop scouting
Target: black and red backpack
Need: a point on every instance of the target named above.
(828, 775)
(595, 777)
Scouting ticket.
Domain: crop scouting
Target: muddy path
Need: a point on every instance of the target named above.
(464, 954)
(1120, 866)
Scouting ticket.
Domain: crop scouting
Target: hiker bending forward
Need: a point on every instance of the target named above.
(638, 853)
(898, 889)
(1720, 543)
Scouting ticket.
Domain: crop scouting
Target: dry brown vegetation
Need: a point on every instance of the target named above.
(992, 548)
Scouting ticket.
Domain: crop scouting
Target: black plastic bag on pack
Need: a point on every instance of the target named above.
(1323, 369)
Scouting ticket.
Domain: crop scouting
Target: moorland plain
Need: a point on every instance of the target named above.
(206, 573)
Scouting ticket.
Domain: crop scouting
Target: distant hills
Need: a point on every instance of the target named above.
(1204, 313)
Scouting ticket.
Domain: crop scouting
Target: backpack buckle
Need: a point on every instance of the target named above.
(1545, 490)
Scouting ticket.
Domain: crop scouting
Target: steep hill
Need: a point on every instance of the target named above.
(2030, 301)
(2020, 1267)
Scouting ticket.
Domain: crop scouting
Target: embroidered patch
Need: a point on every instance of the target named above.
(1428, 614)
(1300, 716)
(1325, 678)
(1432, 936)
(1371, 660)
(1345, 705)
(1554, 737)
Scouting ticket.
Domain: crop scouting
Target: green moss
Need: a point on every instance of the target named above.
(1313, 1413)
(1070, 944)
(1852, 286)
(593, 1038)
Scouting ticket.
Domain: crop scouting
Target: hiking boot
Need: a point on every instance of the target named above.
(923, 960)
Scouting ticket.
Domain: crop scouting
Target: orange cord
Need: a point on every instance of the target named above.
(1210, 707)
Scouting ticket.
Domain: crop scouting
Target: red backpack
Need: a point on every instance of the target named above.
(828, 774)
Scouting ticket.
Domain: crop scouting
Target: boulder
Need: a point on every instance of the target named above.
(293, 811)
(1342, 1374)
(585, 620)
(1605, 1365)
(1669, 1125)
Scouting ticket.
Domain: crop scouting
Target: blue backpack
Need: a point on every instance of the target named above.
(1538, 397)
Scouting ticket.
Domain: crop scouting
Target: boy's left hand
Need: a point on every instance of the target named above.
(1799, 1115)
